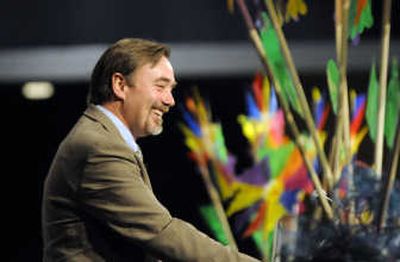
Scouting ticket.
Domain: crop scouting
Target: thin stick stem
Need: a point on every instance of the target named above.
(255, 38)
(342, 135)
(385, 44)
(338, 26)
(338, 39)
(299, 90)
(217, 203)
(389, 186)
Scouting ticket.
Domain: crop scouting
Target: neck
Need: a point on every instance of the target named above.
(116, 108)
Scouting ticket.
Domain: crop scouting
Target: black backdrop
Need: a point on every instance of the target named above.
(48, 22)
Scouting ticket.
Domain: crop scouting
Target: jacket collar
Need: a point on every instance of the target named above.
(95, 114)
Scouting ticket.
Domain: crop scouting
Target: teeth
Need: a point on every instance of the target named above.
(158, 113)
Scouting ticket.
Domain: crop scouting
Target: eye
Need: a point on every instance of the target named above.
(160, 87)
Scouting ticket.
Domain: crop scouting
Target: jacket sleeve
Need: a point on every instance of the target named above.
(113, 191)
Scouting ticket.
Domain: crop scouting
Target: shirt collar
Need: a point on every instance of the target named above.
(123, 129)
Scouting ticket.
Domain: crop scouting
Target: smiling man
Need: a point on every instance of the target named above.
(98, 204)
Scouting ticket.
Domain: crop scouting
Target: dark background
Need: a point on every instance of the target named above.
(47, 22)
(32, 130)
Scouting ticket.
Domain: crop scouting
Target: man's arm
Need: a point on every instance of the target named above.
(113, 191)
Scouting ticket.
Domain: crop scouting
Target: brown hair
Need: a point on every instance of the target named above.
(124, 57)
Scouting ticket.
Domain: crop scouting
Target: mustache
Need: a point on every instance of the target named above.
(163, 108)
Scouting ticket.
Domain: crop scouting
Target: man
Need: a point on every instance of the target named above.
(98, 204)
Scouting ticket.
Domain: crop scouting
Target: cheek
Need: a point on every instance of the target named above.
(155, 98)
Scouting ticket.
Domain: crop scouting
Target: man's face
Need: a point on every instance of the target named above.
(149, 97)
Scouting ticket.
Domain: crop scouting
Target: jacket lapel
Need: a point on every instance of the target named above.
(95, 114)
(143, 170)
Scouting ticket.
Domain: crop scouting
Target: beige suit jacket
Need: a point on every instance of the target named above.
(98, 205)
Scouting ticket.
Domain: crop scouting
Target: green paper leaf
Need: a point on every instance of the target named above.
(366, 19)
(278, 65)
(352, 15)
(219, 145)
(264, 244)
(372, 104)
(210, 216)
(278, 158)
(333, 77)
(392, 106)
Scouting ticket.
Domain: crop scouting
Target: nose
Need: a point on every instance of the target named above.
(168, 99)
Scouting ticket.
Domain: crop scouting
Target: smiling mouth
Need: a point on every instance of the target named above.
(159, 115)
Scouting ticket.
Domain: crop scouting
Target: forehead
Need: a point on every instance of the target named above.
(162, 70)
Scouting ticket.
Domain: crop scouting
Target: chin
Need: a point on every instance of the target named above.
(156, 131)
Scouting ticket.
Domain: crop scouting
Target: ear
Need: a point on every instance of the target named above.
(118, 85)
